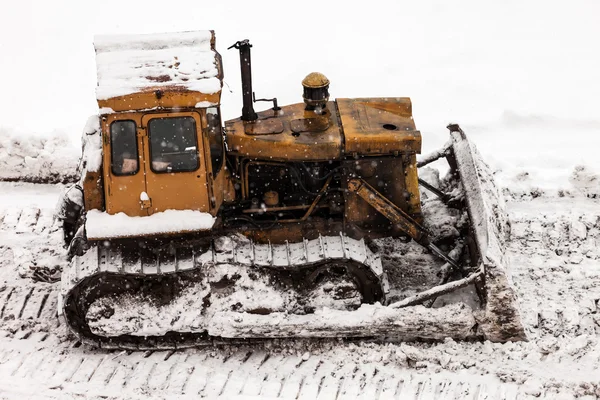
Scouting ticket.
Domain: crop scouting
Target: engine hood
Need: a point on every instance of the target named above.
(345, 127)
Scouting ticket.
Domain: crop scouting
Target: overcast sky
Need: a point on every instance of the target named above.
(472, 60)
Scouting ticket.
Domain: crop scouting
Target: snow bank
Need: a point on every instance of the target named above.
(535, 155)
(37, 158)
(100, 225)
(129, 64)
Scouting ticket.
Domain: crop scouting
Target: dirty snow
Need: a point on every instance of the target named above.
(367, 321)
(146, 315)
(232, 300)
(100, 225)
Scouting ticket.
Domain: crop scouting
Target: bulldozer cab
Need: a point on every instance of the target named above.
(157, 162)
(159, 98)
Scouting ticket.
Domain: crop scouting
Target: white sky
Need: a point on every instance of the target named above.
(469, 61)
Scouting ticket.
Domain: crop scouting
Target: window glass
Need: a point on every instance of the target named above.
(173, 144)
(123, 148)
(215, 138)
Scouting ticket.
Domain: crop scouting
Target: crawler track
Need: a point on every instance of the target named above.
(104, 270)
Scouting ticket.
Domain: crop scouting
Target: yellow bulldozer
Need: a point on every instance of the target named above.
(307, 220)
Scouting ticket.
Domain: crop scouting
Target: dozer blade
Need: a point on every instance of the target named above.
(490, 231)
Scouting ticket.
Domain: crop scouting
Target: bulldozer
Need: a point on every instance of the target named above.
(309, 220)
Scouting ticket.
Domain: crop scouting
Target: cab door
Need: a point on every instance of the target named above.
(176, 176)
(124, 167)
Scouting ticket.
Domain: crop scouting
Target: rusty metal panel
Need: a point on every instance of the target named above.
(411, 182)
(93, 197)
(386, 207)
(378, 126)
(386, 175)
(318, 124)
(287, 145)
(263, 127)
(166, 97)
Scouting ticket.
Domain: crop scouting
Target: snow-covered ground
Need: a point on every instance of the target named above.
(556, 269)
(520, 77)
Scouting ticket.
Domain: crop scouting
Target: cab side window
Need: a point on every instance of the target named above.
(123, 148)
(215, 138)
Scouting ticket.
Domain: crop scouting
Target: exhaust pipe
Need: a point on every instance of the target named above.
(244, 46)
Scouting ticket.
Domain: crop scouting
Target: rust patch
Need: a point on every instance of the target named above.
(318, 124)
(159, 78)
(263, 127)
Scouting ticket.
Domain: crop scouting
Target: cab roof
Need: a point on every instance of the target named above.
(163, 70)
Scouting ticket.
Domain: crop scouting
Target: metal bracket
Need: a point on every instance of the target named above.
(388, 209)
(397, 216)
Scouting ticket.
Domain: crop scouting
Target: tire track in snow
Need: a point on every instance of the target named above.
(211, 373)
(556, 267)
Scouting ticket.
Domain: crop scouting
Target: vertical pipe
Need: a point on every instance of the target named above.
(248, 113)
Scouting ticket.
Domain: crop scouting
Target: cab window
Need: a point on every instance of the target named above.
(173, 144)
(123, 148)
(215, 138)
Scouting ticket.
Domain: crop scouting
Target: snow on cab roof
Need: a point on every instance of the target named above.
(176, 62)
